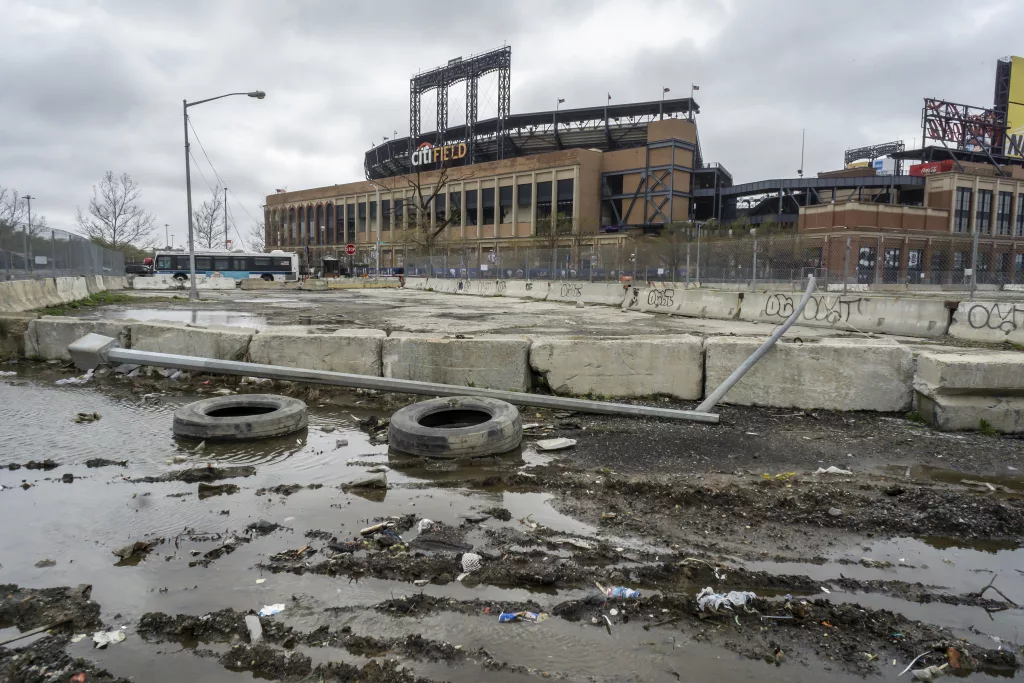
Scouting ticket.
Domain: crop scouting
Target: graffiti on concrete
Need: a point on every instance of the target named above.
(571, 289)
(661, 298)
(1006, 318)
(819, 308)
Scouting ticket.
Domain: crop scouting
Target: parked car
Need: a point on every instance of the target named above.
(137, 269)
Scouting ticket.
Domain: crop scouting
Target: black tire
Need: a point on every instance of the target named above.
(240, 418)
(456, 427)
(267, 278)
(180, 277)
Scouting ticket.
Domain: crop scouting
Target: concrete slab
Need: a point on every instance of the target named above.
(48, 337)
(971, 371)
(989, 321)
(834, 374)
(621, 368)
(693, 303)
(485, 361)
(353, 351)
(13, 327)
(1004, 414)
(225, 343)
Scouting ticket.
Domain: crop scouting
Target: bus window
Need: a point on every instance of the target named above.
(163, 263)
(204, 263)
(262, 262)
(221, 264)
(285, 263)
(182, 263)
(240, 264)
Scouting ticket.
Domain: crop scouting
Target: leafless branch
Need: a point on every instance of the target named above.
(115, 218)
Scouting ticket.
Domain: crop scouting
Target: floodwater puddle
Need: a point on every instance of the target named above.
(1010, 480)
(194, 316)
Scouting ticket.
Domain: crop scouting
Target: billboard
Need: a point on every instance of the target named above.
(1014, 144)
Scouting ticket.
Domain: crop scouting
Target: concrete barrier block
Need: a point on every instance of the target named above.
(418, 283)
(48, 337)
(970, 372)
(13, 327)
(692, 303)
(254, 283)
(314, 285)
(114, 282)
(225, 343)
(622, 367)
(831, 374)
(483, 287)
(959, 412)
(94, 284)
(355, 351)
(71, 289)
(852, 312)
(161, 282)
(989, 321)
(491, 362)
(445, 285)
(217, 283)
(521, 289)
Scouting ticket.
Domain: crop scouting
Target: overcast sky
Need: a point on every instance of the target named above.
(95, 85)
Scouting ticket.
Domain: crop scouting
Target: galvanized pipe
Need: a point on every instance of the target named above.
(711, 401)
(402, 386)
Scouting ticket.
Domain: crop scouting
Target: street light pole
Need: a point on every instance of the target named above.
(193, 295)
(28, 230)
(226, 240)
(167, 239)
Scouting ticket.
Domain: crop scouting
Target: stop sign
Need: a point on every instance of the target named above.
(350, 249)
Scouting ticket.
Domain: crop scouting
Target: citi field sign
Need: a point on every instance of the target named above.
(427, 153)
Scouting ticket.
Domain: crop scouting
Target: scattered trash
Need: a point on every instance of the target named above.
(259, 581)
(80, 676)
(708, 598)
(78, 637)
(370, 530)
(618, 592)
(86, 417)
(470, 562)
(954, 657)
(508, 617)
(614, 612)
(781, 476)
(608, 515)
(777, 618)
(101, 639)
(252, 622)
(376, 480)
(555, 444)
(930, 673)
(271, 610)
(81, 379)
(531, 425)
(826, 591)
(200, 448)
(420, 583)
(424, 524)
(341, 443)
(835, 512)
(8, 373)
(832, 470)
(46, 563)
(177, 460)
(137, 549)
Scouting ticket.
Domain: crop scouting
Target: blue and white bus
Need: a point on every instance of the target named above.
(241, 265)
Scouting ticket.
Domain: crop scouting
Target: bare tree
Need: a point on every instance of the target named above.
(429, 235)
(115, 218)
(208, 222)
(671, 246)
(256, 240)
(12, 207)
(556, 230)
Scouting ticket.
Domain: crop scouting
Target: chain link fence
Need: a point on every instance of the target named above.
(48, 252)
(848, 260)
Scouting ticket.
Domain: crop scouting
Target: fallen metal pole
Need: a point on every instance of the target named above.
(716, 396)
(94, 349)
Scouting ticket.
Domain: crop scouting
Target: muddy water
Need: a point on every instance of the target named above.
(79, 525)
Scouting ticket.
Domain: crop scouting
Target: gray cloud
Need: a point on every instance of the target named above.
(89, 86)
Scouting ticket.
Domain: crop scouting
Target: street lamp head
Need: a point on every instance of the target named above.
(258, 94)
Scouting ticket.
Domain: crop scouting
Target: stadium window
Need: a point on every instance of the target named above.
(455, 206)
(385, 214)
(361, 218)
(471, 207)
(544, 200)
(440, 209)
(1003, 213)
(915, 265)
(487, 195)
(399, 212)
(983, 217)
(962, 209)
(350, 223)
(1018, 273)
(1020, 215)
(525, 201)
(505, 203)
(339, 220)
(565, 192)
(373, 213)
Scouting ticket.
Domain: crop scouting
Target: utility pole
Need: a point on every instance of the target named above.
(167, 239)
(28, 230)
(226, 218)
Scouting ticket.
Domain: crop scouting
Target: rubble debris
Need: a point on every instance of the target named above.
(103, 462)
(42, 564)
(46, 465)
(137, 549)
(103, 638)
(376, 480)
(86, 417)
(208, 490)
(710, 601)
(194, 475)
(252, 622)
(555, 444)
(832, 470)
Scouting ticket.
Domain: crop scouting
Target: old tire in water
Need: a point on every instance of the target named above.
(456, 427)
(240, 418)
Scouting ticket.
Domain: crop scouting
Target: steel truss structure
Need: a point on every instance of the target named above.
(872, 152)
(608, 128)
(444, 77)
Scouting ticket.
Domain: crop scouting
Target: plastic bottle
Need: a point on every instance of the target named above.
(621, 593)
(506, 617)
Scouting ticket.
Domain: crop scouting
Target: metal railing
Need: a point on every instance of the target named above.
(41, 252)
